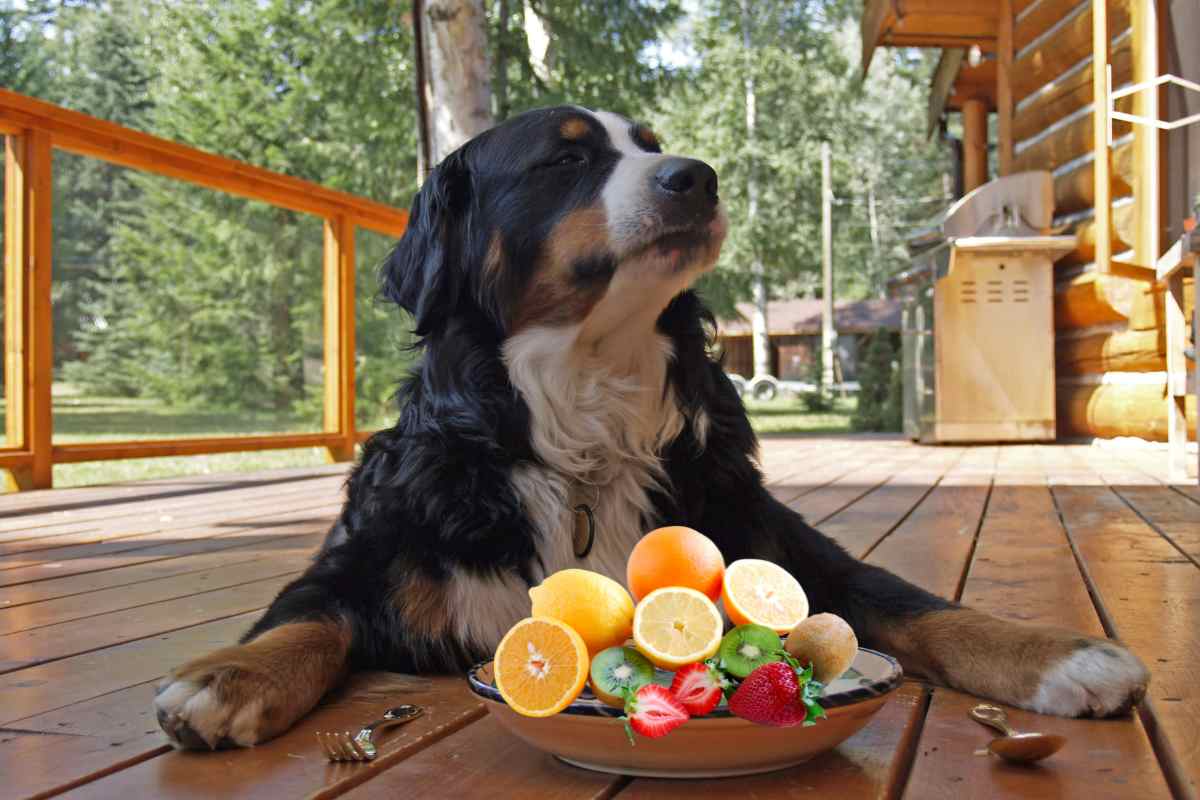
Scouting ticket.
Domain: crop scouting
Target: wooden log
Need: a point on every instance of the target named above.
(1111, 351)
(1067, 94)
(975, 144)
(1124, 221)
(1067, 47)
(1072, 140)
(1092, 299)
(1004, 97)
(1117, 409)
(1040, 19)
(1075, 190)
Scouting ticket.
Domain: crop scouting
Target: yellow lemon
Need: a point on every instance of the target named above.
(675, 626)
(540, 667)
(763, 593)
(596, 606)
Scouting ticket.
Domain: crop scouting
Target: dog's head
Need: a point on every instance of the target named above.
(560, 216)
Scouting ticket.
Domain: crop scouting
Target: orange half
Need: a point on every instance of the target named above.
(540, 666)
(763, 593)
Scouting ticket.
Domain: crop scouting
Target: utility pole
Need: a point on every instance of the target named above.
(759, 337)
(828, 335)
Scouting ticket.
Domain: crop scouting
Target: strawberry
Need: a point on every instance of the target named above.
(778, 694)
(653, 712)
(697, 687)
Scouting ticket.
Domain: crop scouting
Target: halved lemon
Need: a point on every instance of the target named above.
(540, 666)
(674, 626)
(763, 593)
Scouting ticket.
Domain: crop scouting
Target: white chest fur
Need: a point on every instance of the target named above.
(598, 434)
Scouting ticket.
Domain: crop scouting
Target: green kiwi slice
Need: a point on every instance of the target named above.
(617, 669)
(747, 647)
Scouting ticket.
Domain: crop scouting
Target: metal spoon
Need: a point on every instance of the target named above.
(1014, 747)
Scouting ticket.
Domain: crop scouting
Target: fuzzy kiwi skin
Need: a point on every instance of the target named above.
(629, 655)
(827, 642)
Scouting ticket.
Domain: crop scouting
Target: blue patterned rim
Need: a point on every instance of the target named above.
(873, 674)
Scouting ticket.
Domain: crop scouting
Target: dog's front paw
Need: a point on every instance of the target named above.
(1098, 679)
(214, 707)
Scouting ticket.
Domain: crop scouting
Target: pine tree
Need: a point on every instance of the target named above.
(879, 400)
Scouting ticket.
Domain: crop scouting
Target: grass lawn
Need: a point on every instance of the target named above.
(88, 419)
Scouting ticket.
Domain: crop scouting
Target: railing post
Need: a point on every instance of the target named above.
(29, 349)
(339, 335)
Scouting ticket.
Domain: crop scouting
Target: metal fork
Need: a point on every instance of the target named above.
(359, 747)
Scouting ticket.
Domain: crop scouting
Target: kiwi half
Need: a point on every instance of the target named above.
(747, 647)
(617, 669)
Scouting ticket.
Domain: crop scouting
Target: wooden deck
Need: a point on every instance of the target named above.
(104, 589)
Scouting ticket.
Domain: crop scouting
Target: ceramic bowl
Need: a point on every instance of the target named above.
(588, 733)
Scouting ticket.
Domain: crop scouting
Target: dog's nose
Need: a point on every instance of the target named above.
(688, 179)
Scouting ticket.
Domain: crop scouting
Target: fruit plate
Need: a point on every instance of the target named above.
(588, 733)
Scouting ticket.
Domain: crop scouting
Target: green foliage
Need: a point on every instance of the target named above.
(880, 403)
(821, 398)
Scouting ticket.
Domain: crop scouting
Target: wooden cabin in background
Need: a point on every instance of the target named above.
(1041, 67)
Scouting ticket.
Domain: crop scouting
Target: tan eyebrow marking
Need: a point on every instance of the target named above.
(575, 128)
(646, 136)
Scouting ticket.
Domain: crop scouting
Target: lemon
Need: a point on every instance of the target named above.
(595, 606)
(674, 626)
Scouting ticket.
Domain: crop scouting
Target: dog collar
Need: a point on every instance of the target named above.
(583, 522)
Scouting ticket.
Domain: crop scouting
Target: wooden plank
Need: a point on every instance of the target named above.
(299, 512)
(53, 642)
(16, 277)
(94, 500)
(317, 521)
(229, 506)
(844, 491)
(1023, 569)
(68, 597)
(294, 765)
(85, 135)
(1069, 45)
(930, 548)
(40, 324)
(872, 763)
(338, 321)
(863, 525)
(189, 576)
(59, 684)
(1148, 594)
(1175, 516)
(1005, 47)
(489, 761)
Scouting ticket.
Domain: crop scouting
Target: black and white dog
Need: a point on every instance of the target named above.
(564, 360)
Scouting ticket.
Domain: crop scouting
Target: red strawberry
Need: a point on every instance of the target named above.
(653, 712)
(770, 696)
(697, 687)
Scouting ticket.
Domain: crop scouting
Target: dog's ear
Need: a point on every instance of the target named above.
(424, 274)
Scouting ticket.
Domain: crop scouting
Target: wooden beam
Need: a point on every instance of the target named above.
(339, 336)
(874, 20)
(85, 135)
(155, 448)
(975, 144)
(29, 361)
(1004, 95)
(944, 75)
(1146, 139)
(1100, 169)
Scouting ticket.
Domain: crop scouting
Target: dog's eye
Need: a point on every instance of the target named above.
(567, 159)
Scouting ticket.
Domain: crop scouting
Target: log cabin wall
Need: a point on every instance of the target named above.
(1110, 343)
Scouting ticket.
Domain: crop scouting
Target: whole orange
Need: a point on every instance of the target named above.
(675, 556)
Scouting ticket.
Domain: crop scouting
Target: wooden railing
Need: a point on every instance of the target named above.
(34, 130)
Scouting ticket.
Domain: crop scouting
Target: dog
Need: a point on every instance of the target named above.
(564, 361)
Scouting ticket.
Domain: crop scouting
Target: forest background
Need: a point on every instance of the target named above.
(193, 299)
